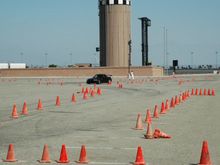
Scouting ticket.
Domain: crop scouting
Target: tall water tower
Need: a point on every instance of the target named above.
(115, 32)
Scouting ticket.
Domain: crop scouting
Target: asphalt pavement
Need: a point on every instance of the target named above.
(104, 123)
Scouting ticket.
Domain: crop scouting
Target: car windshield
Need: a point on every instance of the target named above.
(96, 76)
(99, 76)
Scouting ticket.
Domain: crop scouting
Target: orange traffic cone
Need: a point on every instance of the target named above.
(73, 98)
(63, 155)
(11, 154)
(183, 96)
(188, 94)
(39, 106)
(83, 157)
(200, 92)
(176, 100)
(213, 92)
(85, 96)
(197, 92)
(90, 90)
(149, 133)
(167, 105)
(172, 104)
(156, 115)
(139, 125)
(160, 134)
(24, 109)
(58, 101)
(139, 157)
(163, 110)
(99, 91)
(92, 93)
(82, 91)
(209, 92)
(148, 117)
(87, 90)
(14, 114)
(45, 156)
(205, 157)
(204, 92)
(192, 92)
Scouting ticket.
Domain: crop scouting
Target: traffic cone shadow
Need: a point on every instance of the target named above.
(83, 156)
(45, 156)
(11, 154)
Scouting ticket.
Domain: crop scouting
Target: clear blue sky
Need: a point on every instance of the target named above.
(61, 27)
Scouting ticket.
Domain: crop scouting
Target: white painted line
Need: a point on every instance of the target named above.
(101, 137)
(103, 148)
(113, 163)
(162, 123)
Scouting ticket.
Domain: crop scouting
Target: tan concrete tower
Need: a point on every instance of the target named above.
(115, 32)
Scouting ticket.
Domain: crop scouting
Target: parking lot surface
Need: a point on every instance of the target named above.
(104, 123)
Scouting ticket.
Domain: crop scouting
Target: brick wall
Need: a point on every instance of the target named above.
(114, 71)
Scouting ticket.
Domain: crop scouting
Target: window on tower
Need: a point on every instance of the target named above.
(115, 1)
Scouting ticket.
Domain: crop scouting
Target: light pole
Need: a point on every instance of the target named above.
(145, 23)
(216, 58)
(191, 54)
(167, 57)
(164, 46)
(46, 54)
(21, 54)
(71, 58)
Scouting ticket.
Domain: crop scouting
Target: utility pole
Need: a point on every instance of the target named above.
(46, 54)
(164, 47)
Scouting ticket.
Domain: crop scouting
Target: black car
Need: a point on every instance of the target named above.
(98, 79)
